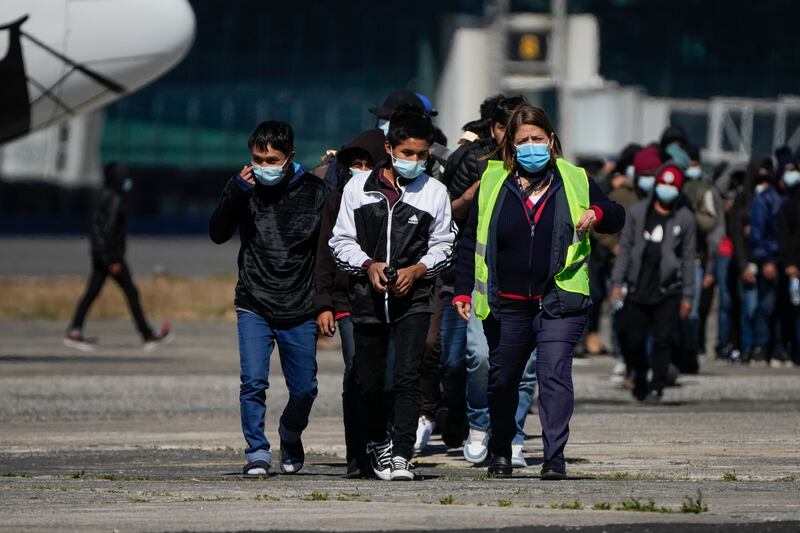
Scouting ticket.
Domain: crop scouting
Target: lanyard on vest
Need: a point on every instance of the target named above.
(539, 206)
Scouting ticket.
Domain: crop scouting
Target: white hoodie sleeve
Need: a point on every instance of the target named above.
(441, 241)
(343, 244)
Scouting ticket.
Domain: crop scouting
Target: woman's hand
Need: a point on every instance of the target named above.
(587, 221)
(463, 309)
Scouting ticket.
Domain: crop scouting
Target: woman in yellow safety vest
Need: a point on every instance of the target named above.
(523, 269)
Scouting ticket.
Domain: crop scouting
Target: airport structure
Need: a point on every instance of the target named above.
(610, 72)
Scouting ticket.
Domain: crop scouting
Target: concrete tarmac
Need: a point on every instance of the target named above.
(120, 439)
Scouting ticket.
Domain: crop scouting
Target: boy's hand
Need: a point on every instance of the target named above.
(326, 323)
(115, 268)
(376, 276)
(247, 174)
(406, 278)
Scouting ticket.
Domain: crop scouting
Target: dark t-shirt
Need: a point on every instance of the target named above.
(649, 284)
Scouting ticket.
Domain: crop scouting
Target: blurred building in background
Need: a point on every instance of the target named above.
(724, 70)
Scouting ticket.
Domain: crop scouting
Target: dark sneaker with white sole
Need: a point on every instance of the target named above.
(75, 339)
(164, 336)
(401, 469)
(256, 468)
(293, 456)
(380, 459)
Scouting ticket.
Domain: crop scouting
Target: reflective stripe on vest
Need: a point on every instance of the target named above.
(574, 277)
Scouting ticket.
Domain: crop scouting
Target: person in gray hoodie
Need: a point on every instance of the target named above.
(654, 272)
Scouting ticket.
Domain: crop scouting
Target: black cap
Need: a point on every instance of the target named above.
(398, 101)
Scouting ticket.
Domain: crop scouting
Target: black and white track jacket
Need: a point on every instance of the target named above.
(418, 229)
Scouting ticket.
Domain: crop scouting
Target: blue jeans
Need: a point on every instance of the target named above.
(297, 348)
(721, 266)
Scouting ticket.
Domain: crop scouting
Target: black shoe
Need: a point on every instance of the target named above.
(292, 456)
(758, 356)
(500, 467)
(380, 459)
(553, 470)
(653, 397)
(357, 468)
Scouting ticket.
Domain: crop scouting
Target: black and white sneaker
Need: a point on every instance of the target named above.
(380, 459)
(75, 339)
(292, 456)
(256, 468)
(401, 469)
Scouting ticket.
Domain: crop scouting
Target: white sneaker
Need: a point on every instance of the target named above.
(517, 457)
(619, 369)
(380, 459)
(476, 449)
(425, 428)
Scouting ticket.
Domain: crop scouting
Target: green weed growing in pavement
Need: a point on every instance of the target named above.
(133, 499)
(574, 505)
(638, 506)
(316, 496)
(504, 503)
(729, 476)
(78, 475)
(694, 505)
(447, 500)
(17, 474)
(601, 506)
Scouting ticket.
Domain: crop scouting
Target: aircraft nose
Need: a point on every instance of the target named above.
(142, 39)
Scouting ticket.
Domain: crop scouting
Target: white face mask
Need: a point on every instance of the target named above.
(761, 187)
(383, 125)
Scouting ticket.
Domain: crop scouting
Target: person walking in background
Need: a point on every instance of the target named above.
(331, 287)
(763, 241)
(706, 203)
(789, 251)
(275, 204)
(523, 265)
(654, 273)
(393, 235)
(107, 237)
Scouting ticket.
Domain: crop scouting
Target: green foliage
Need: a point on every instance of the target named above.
(447, 500)
(601, 506)
(316, 496)
(694, 505)
(504, 503)
(574, 505)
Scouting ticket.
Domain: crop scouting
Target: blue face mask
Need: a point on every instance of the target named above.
(630, 171)
(645, 183)
(354, 171)
(409, 169)
(383, 125)
(666, 194)
(791, 177)
(533, 157)
(694, 173)
(127, 185)
(268, 176)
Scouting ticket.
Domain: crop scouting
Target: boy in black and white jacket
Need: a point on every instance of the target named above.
(393, 218)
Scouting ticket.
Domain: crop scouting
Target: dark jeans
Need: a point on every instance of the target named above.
(372, 343)
(125, 282)
(519, 328)
(660, 321)
(430, 369)
(354, 437)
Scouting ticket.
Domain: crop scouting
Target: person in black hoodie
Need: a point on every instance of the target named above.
(109, 226)
(275, 204)
(331, 300)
